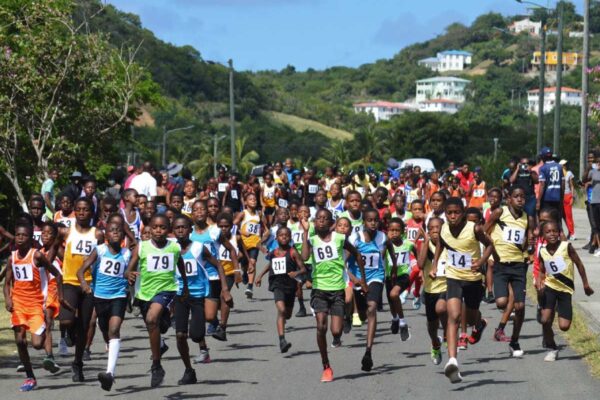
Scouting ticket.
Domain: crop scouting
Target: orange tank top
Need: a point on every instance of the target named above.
(478, 195)
(30, 284)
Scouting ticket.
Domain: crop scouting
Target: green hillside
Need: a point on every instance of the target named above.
(302, 124)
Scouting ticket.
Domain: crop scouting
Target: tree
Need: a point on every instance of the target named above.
(245, 160)
(65, 95)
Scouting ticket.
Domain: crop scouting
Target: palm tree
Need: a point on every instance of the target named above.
(245, 161)
(337, 153)
(202, 168)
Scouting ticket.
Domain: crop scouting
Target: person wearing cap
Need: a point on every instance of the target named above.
(568, 199)
(73, 189)
(552, 183)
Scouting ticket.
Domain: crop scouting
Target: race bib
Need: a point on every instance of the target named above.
(224, 254)
(111, 267)
(325, 252)
(312, 189)
(234, 194)
(441, 268)
(283, 203)
(402, 258)
(252, 228)
(191, 267)
(478, 193)
(23, 272)
(187, 207)
(514, 235)
(357, 228)
(37, 236)
(65, 221)
(297, 236)
(412, 233)
(371, 260)
(222, 187)
(160, 263)
(82, 247)
(556, 265)
(278, 265)
(459, 260)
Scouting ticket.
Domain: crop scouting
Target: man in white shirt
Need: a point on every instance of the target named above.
(145, 183)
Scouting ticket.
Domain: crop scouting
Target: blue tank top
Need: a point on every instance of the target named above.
(108, 277)
(371, 253)
(209, 237)
(197, 277)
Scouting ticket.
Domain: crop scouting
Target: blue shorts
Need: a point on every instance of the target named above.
(530, 206)
(163, 298)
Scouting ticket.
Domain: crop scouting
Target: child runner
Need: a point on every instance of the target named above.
(158, 258)
(190, 191)
(299, 213)
(353, 213)
(285, 264)
(131, 213)
(461, 240)
(335, 203)
(415, 234)
(108, 263)
(24, 295)
(267, 198)
(327, 297)
(556, 281)
(251, 224)
(65, 215)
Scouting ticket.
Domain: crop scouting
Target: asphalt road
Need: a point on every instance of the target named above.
(249, 365)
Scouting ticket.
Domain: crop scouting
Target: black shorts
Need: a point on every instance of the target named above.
(471, 292)
(514, 274)
(328, 301)
(215, 290)
(269, 211)
(197, 323)
(401, 280)
(558, 301)
(285, 295)
(431, 300)
(81, 301)
(108, 308)
(252, 253)
(373, 295)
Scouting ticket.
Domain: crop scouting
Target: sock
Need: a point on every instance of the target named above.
(29, 373)
(368, 351)
(203, 347)
(155, 363)
(452, 360)
(113, 354)
(355, 315)
(301, 302)
(250, 285)
(501, 325)
(326, 365)
(402, 322)
(281, 337)
(395, 318)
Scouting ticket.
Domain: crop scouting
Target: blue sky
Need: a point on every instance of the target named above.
(270, 34)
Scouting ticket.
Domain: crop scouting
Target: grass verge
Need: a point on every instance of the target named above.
(302, 124)
(580, 337)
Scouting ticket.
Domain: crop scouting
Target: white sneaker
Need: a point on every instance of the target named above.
(552, 355)
(515, 350)
(597, 253)
(63, 350)
(403, 296)
(203, 358)
(451, 371)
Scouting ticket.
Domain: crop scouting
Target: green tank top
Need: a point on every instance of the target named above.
(328, 262)
(355, 223)
(403, 258)
(298, 236)
(157, 269)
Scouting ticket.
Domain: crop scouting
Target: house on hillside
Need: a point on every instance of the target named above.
(569, 59)
(526, 25)
(440, 105)
(383, 110)
(441, 87)
(449, 60)
(568, 96)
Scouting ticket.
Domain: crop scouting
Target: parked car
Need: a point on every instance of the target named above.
(425, 164)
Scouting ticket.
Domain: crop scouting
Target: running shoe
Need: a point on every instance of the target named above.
(28, 385)
(515, 349)
(436, 356)
(203, 358)
(249, 293)
(158, 375)
(404, 332)
(189, 377)
(452, 372)
(597, 253)
(395, 326)
(50, 365)
(20, 368)
(347, 325)
(367, 362)
(106, 380)
(463, 343)
(63, 350)
(327, 375)
(403, 296)
(220, 334)
(87, 355)
(499, 335)
(416, 303)
(551, 355)
(284, 345)
(77, 370)
(337, 342)
(356, 320)
(301, 312)
(587, 246)
(477, 332)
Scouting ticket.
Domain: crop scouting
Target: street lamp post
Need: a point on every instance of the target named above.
(584, 88)
(216, 140)
(559, 67)
(164, 141)
(232, 117)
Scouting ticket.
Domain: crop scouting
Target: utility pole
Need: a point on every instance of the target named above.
(584, 88)
(495, 148)
(540, 122)
(559, 66)
(232, 117)
(164, 147)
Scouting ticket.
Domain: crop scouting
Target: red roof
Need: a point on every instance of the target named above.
(552, 89)
(382, 104)
(444, 101)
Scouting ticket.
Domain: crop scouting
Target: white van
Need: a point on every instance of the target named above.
(425, 164)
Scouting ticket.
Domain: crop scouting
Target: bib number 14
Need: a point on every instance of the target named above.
(459, 260)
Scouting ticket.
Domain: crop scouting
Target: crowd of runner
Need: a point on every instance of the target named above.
(168, 249)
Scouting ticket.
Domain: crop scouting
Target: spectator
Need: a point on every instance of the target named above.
(465, 178)
(524, 175)
(48, 191)
(290, 169)
(594, 183)
(133, 172)
(568, 199)
(73, 189)
(145, 183)
(591, 165)
(552, 183)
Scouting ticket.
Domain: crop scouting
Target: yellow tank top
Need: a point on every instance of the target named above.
(268, 196)
(509, 236)
(437, 285)
(250, 229)
(462, 252)
(78, 247)
(225, 255)
(559, 268)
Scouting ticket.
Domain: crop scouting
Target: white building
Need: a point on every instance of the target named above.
(383, 110)
(526, 25)
(441, 87)
(449, 60)
(440, 105)
(568, 96)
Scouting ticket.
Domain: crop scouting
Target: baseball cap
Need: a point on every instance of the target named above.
(563, 162)
(545, 151)
(76, 174)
